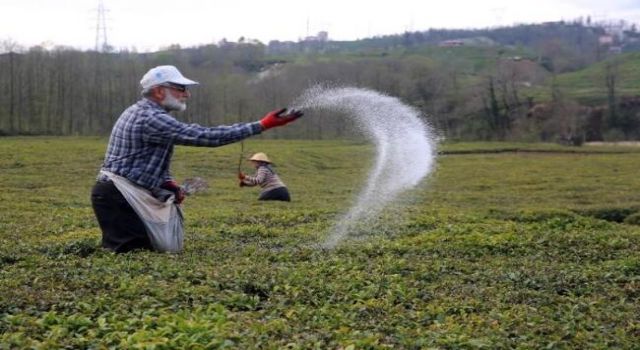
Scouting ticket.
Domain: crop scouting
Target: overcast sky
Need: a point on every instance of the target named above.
(150, 24)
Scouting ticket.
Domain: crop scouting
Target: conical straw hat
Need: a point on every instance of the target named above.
(260, 157)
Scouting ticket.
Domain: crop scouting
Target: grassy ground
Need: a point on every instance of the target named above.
(588, 86)
(496, 250)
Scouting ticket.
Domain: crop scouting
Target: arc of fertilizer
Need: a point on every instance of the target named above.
(405, 148)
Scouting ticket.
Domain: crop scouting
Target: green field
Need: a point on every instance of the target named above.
(588, 86)
(500, 248)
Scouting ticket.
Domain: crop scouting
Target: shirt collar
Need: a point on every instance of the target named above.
(152, 103)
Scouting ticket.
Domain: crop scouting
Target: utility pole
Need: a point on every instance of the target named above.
(101, 29)
(498, 12)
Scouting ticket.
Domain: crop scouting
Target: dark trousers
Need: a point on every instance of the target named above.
(122, 229)
(276, 194)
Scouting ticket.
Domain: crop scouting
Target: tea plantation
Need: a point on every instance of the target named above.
(504, 246)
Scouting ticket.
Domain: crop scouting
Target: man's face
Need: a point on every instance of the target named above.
(175, 97)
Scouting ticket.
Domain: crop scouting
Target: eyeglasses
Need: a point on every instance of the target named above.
(181, 88)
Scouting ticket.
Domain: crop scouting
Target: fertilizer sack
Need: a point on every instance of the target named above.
(162, 219)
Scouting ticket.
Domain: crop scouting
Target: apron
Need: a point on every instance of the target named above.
(163, 220)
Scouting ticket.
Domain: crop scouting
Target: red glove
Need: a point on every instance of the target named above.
(173, 186)
(241, 175)
(241, 183)
(279, 117)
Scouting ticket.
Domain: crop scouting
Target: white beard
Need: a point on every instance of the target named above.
(173, 104)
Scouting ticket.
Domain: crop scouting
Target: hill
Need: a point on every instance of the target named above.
(587, 87)
(470, 84)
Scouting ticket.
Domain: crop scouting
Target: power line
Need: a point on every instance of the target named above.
(101, 28)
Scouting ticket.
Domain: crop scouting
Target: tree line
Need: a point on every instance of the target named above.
(467, 93)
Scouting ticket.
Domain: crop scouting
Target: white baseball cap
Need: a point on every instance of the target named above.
(164, 74)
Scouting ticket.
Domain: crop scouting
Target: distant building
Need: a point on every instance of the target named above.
(321, 36)
(451, 43)
(615, 49)
(605, 40)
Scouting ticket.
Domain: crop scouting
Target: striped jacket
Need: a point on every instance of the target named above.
(265, 177)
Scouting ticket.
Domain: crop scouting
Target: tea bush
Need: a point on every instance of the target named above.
(495, 250)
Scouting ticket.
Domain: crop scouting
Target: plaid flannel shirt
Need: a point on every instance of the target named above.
(142, 139)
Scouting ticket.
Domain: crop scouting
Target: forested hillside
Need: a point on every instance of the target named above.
(566, 82)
